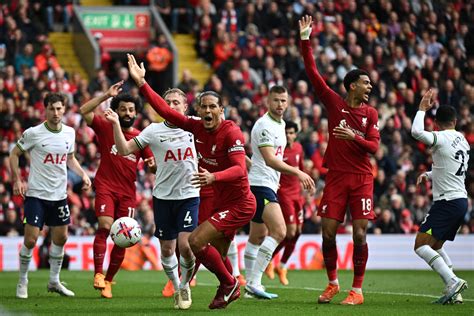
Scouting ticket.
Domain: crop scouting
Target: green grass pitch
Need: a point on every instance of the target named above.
(139, 293)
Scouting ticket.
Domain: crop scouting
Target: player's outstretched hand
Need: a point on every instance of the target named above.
(306, 180)
(111, 116)
(202, 178)
(19, 188)
(136, 72)
(115, 89)
(421, 178)
(427, 101)
(305, 26)
(86, 182)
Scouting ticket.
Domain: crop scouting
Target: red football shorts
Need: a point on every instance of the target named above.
(206, 208)
(230, 219)
(342, 189)
(114, 205)
(292, 208)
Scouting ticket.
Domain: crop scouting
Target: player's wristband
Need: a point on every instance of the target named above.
(305, 33)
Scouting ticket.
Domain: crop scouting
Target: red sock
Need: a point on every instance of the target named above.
(212, 260)
(279, 247)
(359, 258)
(116, 259)
(330, 260)
(228, 265)
(100, 246)
(289, 248)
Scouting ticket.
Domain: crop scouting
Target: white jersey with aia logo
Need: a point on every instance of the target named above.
(48, 168)
(175, 157)
(267, 132)
(450, 158)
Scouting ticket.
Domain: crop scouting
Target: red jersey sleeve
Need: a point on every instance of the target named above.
(236, 153)
(163, 109)
(372, 137)
(99, 123)
(322, 90)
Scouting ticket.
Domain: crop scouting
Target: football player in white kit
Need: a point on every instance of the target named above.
(51, 148)
(175, 199)
(450, 158)
(268, 141)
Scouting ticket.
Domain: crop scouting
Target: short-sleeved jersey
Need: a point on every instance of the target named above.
(343, 155)
(48, 150)
(116, 173)
(290, 185)
(267, 132)
(450, 159)
(175, 157)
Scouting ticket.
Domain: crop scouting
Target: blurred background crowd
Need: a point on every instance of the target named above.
(407, 46)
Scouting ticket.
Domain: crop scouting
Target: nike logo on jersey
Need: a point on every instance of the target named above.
(345, 111)
(365, 213)
(43, 145)
(199, 142)
(186, 226)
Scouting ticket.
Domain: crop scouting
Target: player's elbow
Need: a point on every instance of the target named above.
(416, 133)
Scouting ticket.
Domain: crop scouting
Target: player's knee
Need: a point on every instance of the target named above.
(279, 233)
(60, 240)
(359, 238)
(167, 250)
(30, 242)
(195, 243)
(329, 237)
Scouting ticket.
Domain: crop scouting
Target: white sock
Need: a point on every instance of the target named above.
(358, 290)
(436, 262)
(283, 265)
(334, 282)
(446, 258)
(264, 256)
(187, 269)
(170, 265)
(56, 255)
(25, 258)
(250, 255)
(234, 258)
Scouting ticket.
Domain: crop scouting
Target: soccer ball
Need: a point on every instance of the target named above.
(125, 232)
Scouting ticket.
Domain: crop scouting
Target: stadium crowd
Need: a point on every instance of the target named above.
(407, 46)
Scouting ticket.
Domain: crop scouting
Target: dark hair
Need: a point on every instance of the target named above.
(54, 97)
(277, 89)
(291, 124)
(445, 114)
(211, 93)
(126, 97)
(353, 76)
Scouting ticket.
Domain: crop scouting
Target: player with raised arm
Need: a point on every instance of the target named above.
(51, 148)
(175, 199)
(290, 199)
(220, 146)
(450, 163)
(349, 181)
(268, 142)
(115, 179)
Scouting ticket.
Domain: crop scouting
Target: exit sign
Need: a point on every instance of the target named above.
(116, 21)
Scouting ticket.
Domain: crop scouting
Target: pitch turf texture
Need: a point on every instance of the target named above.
(139, 293)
